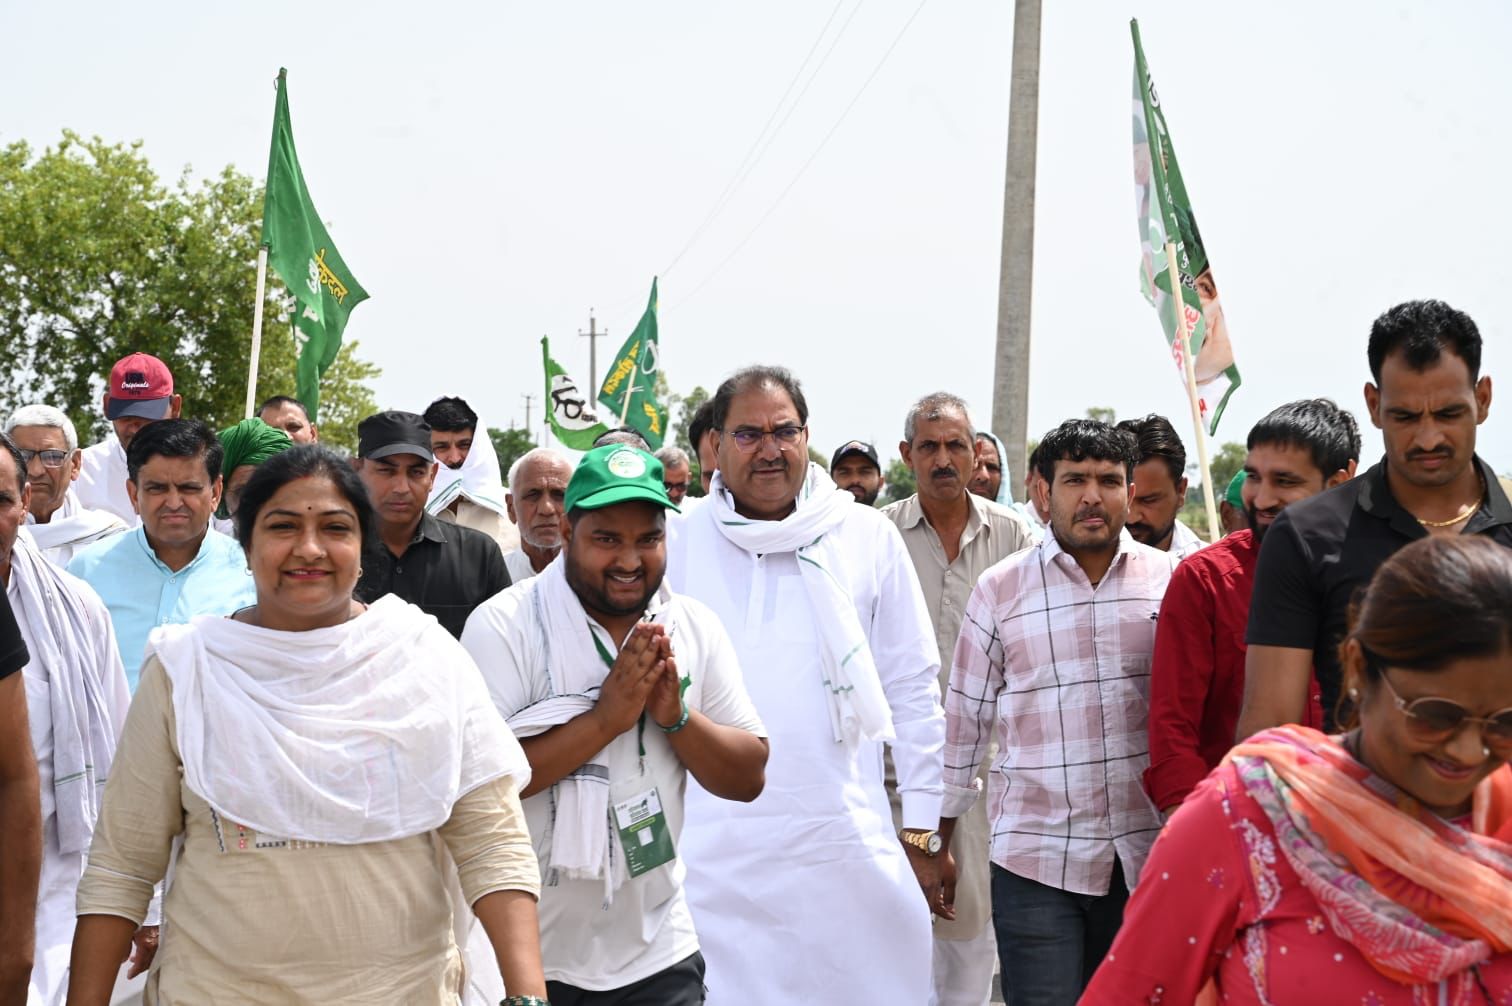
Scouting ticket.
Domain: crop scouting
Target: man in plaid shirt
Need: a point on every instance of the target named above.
(1054, 656)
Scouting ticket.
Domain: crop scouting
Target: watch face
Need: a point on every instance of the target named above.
(934, 845)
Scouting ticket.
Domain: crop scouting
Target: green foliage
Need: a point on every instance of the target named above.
(1225, 463)
(900, 482)
(1102, 414)
(510, 445)
(687, 405)
(99, 259)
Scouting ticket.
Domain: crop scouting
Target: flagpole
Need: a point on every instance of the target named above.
(1190, 370)
(629, 393)
(257, 313)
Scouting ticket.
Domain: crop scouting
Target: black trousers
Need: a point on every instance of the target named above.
(680, 985)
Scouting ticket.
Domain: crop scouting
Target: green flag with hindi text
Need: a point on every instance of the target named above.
(1165, 215)
(303, 255)
(568, 410)
(628, 394)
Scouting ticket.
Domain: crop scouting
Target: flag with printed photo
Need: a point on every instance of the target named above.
(1165, 215)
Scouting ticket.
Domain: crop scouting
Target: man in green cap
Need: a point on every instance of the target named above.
(617, 689)
(1231, 515)
(247, 444)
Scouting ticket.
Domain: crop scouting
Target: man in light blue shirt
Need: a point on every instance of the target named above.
(171, 567)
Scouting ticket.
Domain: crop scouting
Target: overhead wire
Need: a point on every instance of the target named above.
(811, 158)
(758, 148)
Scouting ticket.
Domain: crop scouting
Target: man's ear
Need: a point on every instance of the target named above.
(509, 508)
(1373, 404)
(1338, 478)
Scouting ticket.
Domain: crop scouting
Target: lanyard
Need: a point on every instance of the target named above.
(640, 726)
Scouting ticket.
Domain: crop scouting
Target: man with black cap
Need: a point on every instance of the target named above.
(618, 689)
(856, 470)
(140, 392)
(445, 569)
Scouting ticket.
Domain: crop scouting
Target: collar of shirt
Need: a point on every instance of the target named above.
(140, 534)
(429, 529)
(911, 514)
(1375, 498)
(1050, 549)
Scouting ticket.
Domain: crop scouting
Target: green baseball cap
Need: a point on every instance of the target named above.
(616, 473)
(1235, 492)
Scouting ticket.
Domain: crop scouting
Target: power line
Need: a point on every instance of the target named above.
(817, 150)
(757, 150)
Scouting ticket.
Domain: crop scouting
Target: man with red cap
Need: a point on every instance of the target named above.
(140, 392)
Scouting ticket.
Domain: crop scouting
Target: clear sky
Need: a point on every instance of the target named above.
(491, 171)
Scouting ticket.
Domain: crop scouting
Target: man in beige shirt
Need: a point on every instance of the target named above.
(953, 536)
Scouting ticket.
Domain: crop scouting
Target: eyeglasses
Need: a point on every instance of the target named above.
(785, 437)
(674, 486)
(50, 459)
(1433, 720)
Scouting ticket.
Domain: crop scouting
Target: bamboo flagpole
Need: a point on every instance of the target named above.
(1184, 334)
(257, 313)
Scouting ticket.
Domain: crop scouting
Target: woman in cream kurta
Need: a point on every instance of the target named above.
(317, 758)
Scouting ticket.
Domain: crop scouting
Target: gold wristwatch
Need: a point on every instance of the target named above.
(927, 842)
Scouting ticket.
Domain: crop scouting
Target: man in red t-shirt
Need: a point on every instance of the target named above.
(1197, 674)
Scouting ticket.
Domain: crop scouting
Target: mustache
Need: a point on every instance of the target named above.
(945, 472)
(1415, 453)
(1097, 511)
(778, 464)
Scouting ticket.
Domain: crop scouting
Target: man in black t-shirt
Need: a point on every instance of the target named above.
(1427, 399)
(20, 816)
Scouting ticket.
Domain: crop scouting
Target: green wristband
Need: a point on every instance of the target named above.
(681, 722)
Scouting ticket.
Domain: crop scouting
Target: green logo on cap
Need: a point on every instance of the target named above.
(627, 464)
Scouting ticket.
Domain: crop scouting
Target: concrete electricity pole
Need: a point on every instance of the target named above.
(1010, 382)
(528, 431)
(593, 335)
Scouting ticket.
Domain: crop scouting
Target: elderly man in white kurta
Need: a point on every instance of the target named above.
(76, 701)
(806, 894)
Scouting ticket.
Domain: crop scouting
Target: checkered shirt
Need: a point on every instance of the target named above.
(1059, 670)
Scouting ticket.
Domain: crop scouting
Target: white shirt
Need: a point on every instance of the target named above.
(1184, 541)
(101, 484)
(805, 894)
(517, 563)
(647, 927)
(71, 529)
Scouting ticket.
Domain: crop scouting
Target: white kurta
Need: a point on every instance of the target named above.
(805, 894)
(101, 484)
(72, 528)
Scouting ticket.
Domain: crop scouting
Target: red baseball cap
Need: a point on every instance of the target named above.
(140, 385)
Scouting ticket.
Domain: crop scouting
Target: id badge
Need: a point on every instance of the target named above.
(643, 832)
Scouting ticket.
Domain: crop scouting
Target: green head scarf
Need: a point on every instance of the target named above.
(249, 442)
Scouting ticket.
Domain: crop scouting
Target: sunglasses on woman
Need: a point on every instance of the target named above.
(1433, 720)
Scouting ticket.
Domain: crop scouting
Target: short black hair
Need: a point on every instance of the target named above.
(1317, 425)
(701, 423)
(16, 457)
(450, 415)
(1421, 330)
(175, 438)
(623, 435)
(284, 400)
(757, 377)
(1155, 437)
(303, 461)
(1080, 439)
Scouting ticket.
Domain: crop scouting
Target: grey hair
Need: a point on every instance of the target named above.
(44, 415)
(673, 457)
(931, 407)
(535, 454)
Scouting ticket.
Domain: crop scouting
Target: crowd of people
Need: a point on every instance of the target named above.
(280, 725)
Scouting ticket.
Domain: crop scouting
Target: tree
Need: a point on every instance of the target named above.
(510, 445)
(689, 404)
(99, 259)
(1102, 414)
(1224, 465)
(901, 483)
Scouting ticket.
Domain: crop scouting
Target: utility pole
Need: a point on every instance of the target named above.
(1010, 381)
(593, 335)
(528, 400)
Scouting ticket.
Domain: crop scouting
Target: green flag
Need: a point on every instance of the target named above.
(324, 289)
(629, 390)
(569, 411)
(1165, 214)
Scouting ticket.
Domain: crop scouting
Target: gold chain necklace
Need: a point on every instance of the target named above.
(1464, 515)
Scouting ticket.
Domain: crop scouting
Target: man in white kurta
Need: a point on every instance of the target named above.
(60, 525)
(76, 702)
(806, 894)
(615, 924)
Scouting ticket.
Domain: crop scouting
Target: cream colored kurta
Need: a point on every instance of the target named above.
(252, 918)
(486, 519)
(993, 532)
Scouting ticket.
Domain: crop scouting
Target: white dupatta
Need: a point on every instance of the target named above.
(366, 731)
(858, 706)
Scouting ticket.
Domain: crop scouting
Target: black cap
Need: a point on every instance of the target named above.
(394, 433)
(856, 447)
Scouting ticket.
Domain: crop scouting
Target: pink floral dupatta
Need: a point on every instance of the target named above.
(1421, 898)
